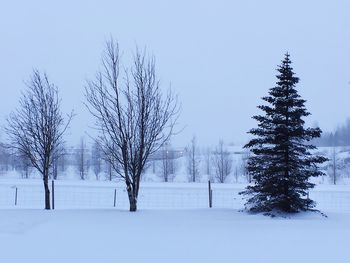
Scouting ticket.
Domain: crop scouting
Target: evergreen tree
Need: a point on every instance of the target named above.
(282, 164)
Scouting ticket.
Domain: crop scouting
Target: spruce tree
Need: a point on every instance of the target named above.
(282, 161)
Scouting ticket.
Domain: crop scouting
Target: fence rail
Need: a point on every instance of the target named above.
(151, 196)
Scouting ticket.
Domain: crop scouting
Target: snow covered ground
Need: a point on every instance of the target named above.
(172, 225)
(196, 235)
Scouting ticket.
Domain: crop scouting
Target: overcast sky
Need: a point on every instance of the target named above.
(219, 56)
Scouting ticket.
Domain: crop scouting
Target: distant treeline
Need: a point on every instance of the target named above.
(340, 137)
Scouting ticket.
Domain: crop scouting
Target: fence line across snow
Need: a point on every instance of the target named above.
(104, 195)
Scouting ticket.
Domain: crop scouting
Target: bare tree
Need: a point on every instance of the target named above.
(54, 173)
(153, 164)
(62, 160)
(24, 166)
(133, 117)
(346, 169)
(58, 162)
(236, 173)
(335, 165)
(82, 159)
(36, 128)
(110, 170)
(5, 158)
(111, 166)
(222, 161)
(208, 162)
(96, 159)
(244, 165)
(168, 163)
(193, 160)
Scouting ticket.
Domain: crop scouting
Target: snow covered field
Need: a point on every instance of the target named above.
(197, 235)
(172, 225)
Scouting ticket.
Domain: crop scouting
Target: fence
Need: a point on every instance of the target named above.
(85, 195)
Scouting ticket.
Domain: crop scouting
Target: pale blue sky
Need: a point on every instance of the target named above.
(220, 56)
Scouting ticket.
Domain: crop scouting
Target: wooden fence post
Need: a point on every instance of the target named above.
(210, 191)
(53, 194)
(16, 192)
(115, 198)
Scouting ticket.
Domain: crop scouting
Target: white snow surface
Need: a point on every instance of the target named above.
(196, 235)
(173, 224)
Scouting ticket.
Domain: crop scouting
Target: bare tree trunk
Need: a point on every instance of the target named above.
(47, 189)
(133, 203)
(132, 197)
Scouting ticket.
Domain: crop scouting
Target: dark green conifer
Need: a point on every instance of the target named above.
(282, 162)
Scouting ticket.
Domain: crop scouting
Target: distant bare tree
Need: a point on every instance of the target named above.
(111, 165)
(236, 173)
(36, 128)
(222, 161)
(5, 158)
(24, 165)
(168, 163)
(58, 162)
(96, 159)
(153, 165)
(346, 169)
(193, 160)
(62, 160)
(82, 159)
(208, 162)
(134, 118)
(244, 164)
(110, 170)
(334, 165)
(54, 168)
